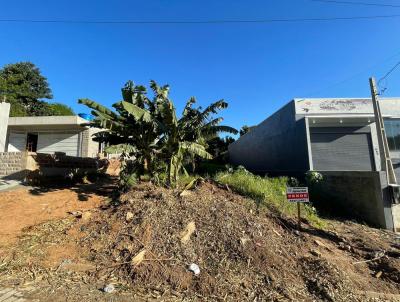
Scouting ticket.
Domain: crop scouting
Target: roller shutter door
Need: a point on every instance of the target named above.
(58, 142)
(342, 151)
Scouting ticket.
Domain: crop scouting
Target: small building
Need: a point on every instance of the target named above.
(50, 134)
(338, 138)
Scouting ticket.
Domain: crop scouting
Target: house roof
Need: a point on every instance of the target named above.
(46, 123)
(49, 121)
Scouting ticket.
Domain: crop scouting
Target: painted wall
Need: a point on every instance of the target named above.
(278, 144)
(4, 113)
(309, 107)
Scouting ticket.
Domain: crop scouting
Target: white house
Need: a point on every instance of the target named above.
(48, 134)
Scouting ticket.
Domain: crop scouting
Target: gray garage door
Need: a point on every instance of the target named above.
(58, 142)
(342, 151)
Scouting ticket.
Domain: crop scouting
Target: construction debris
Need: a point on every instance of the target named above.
(109, 288)
(194, 268)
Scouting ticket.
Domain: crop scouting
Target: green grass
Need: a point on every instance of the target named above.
(269, 192)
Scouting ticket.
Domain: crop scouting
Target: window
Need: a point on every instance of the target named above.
(392, 128)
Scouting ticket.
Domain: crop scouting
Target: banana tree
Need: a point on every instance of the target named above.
(149, 130)
(175, 144)
(128, 131)
(200, 125)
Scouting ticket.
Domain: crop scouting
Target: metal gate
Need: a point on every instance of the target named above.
(341, 149)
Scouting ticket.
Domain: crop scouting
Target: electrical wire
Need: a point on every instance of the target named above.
(356, 3)
(385, 77)
(70, 21)
(355, 75)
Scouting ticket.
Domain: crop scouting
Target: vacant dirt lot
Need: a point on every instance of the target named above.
(25, 207)
(143, 243)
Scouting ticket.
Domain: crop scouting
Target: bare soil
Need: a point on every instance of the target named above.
(144, 243)
(20, 209)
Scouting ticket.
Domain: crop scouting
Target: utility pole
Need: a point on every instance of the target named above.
(386, 162)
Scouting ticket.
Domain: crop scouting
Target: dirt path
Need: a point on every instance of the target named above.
(25, 207)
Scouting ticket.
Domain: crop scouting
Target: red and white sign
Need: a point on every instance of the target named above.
(297, 194)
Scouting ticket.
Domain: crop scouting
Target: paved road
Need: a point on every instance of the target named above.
(6, 185)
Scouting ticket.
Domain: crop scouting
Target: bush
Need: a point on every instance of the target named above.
(269, 192)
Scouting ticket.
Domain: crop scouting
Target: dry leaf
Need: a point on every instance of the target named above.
(185, 193)
(190, 228)
(138, 258)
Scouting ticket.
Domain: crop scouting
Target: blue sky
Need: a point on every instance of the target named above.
(257, 68)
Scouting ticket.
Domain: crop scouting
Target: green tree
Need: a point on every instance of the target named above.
(24, 88)
(245, 129)
(60, 109)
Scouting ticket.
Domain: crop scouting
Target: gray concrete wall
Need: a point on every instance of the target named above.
(278, 145)
(359, 194)
(4, 113)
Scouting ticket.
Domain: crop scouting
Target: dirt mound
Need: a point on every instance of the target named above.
(148, 241)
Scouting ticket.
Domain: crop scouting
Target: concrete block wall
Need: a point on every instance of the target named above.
(90, 148)
(11, 163)
(85, 135)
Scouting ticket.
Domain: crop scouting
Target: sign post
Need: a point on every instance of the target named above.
(297, 195)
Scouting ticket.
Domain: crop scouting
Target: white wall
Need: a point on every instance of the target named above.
(4, 113)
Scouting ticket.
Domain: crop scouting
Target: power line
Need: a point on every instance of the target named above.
(70, 21)
(356, 3)
(386, 76)
(355, 75)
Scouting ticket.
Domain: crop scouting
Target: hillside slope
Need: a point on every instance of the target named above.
(243, 253)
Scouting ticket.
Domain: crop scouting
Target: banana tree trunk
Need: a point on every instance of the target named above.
(193, 163)
(147, 164)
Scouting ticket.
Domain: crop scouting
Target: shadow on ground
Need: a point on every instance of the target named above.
(104, 186)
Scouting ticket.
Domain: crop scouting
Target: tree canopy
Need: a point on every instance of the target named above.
(245, 129)
(60, 109)
(25, 88)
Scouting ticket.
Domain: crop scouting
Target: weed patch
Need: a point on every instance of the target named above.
(269, 192)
